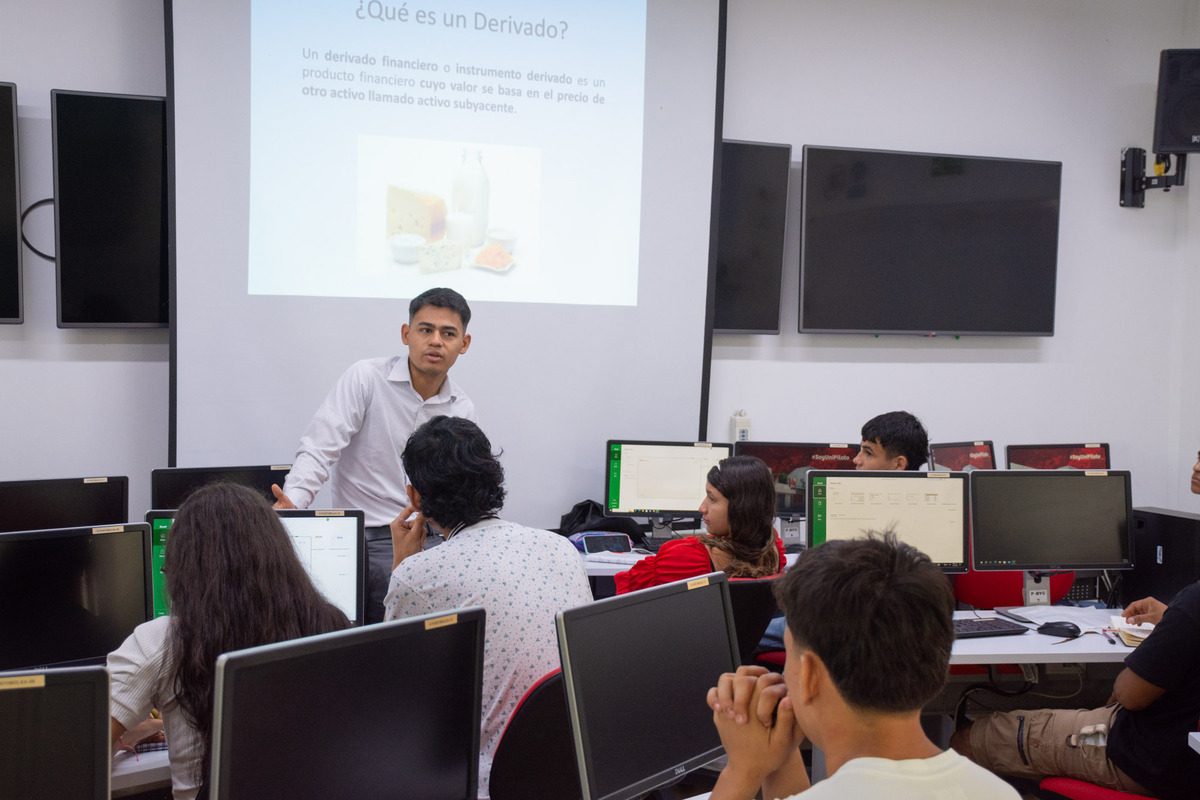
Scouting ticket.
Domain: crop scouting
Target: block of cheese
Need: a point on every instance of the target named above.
(441, 256)
(415, 212)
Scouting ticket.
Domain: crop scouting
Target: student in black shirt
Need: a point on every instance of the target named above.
(1139, 742)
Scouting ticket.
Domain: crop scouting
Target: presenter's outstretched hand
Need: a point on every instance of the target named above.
(1145, 610)
(408, 535)
(281, 499)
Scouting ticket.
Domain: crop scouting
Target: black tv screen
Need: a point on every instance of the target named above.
(110, 209)
(920, 243)
(750, 236)
(10, 208)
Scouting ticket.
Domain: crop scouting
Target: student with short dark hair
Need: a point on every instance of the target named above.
(521, 577)
(893, 441)
(869, 631)
(235, 581)
(738, 511)
(356, 435)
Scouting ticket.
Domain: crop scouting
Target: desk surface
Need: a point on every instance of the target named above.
(133, 773)
(1034, 648)
(597, 568)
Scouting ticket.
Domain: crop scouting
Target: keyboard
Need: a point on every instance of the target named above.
(149, 747)
(986, 626)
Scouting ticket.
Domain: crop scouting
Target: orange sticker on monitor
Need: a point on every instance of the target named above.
(441, 622)
(23, 682)
(696, 583)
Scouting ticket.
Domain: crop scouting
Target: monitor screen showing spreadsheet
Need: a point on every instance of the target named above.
(1051, 519)
(398, 706)
(927, 510)
(63, 503)
(962, 456)
(643, 662)
(659, 479)
(55, 736)
(71, 595)
(1093, 455)
(329, 543)
(790, 462)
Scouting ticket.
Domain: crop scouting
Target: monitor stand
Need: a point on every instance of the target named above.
(791, 531)
(1036, 591)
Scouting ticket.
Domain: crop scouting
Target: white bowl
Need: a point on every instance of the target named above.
(406, 247)
(503, 237)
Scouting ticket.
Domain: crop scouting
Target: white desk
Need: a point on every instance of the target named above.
(1035, 648)
(600, 568)
(133, 773)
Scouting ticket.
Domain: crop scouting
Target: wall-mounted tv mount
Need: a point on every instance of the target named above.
(1135, 181)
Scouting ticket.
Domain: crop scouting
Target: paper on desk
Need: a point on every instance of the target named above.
(1142, 629)
(1086, 618)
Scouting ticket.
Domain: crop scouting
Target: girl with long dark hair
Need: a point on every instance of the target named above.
(235, 581)
(738, 510)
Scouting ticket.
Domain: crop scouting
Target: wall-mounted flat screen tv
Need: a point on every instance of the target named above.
(919, 243)
(750, 234)
(10, 209)
(110, 193)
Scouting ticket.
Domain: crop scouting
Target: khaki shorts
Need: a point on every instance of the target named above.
(1048, 742)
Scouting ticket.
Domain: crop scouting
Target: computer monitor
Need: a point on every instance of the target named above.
(659, 480)
(790, 462)
(54, 733)
(328, 541)
(636, 669)
(70, 596)
(1166, 554)
(927, 510)
(1046, 520)
(169, 487)
(396, 709)
(1057, 456)
(63, 503)
(962, 456)
(10, 209)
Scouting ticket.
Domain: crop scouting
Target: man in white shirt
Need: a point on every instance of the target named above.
(869, 631)
(366, 420)
(521, 577)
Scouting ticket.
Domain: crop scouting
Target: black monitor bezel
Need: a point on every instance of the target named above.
(739, 449)
(95, 677)
(50, 483)
(1008, 451)
(578, 713)
(83, 531)
(652, 513)
(973, 443)
(157, 500)
(1053, 474)
(949, 569)
(16, 199)
(224, 744)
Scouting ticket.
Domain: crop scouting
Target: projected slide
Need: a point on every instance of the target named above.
(494, 147)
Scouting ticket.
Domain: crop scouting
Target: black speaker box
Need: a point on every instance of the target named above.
(1177, 114)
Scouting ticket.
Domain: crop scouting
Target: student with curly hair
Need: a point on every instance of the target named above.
(520, 576)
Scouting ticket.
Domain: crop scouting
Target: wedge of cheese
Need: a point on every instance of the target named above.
(441, 256)
(415, 212)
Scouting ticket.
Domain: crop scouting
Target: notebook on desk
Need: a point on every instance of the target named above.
(627, 559)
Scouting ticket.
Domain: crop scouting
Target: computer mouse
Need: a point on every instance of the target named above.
(1063, 630)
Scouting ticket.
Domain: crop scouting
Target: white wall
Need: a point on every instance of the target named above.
(1068, 80)
(77, 402)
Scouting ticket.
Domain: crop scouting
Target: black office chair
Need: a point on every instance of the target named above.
(536, 754)
(753, 601)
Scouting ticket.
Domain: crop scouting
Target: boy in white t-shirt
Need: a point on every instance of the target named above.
(868, 645)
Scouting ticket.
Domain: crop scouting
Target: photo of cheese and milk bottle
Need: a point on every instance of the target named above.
(440, 234)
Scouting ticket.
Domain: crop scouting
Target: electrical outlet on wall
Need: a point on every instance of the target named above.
(740, 426)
